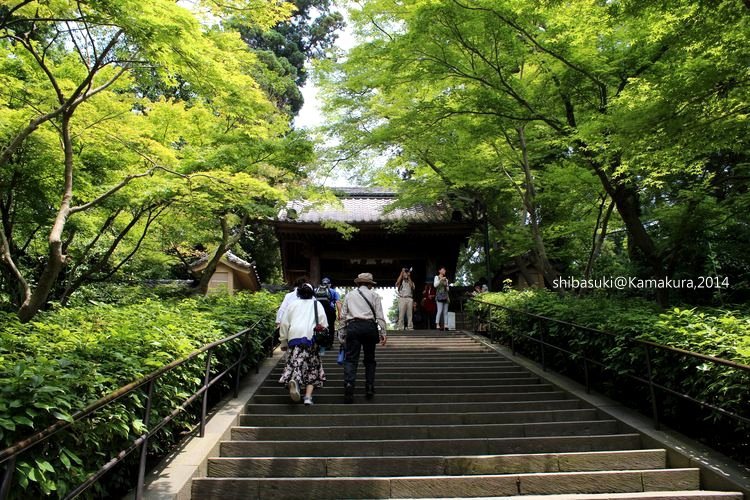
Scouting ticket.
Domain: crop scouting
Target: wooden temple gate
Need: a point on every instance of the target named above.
(423, 237)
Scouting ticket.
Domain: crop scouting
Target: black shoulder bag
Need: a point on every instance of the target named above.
(374, 316)
(320, 337)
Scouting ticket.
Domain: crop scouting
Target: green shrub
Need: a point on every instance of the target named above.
(715, 332)
(68, 358)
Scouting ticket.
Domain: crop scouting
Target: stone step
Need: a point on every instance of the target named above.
(431, 360)
(474, 446)
(432, 339)
(404, 371)
(436, 390)
(467, 367)
(502, 379)
(307, 419)
(322, 398)
(360, 432)
(426, 333)
(646, 495)
(417, 349)
(410, 355)
(362, 406)
(413, 353)
(416, 362)
(406, 354)
(445, 377)
(449, 486)
(436, 466)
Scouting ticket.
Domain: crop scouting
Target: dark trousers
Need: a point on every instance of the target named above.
(331, 317)
(364, 335)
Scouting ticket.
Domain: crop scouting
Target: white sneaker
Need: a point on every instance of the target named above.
(294, 390)
(308, 401)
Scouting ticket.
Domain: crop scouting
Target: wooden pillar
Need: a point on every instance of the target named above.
(431, 268)
(315, 268)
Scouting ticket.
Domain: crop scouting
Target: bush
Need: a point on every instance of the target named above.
(67, 359)
(715, 332)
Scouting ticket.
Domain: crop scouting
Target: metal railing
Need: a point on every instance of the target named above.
(644, 347)
(8, 456)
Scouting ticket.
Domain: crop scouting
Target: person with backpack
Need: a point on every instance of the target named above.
(365, 326)
(328, 298)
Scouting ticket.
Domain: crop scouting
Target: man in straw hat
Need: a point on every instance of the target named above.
(365, 326)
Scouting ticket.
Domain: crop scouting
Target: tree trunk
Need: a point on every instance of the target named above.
(540, 252)
(626, 200)
(524, 270)
(600, 233)
(19, 288)
(208, 272)
(227, 242)
(55, 258)
(640, 244)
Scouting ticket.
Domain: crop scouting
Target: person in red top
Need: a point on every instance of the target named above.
(429, 306)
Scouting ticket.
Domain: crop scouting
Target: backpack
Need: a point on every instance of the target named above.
(323, 294)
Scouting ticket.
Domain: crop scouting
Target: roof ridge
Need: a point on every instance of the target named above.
(363, 192)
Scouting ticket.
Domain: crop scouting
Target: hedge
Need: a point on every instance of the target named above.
(723, 333)
(68, 358)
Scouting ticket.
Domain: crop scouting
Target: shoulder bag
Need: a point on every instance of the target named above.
(374, 316)
(321, 336)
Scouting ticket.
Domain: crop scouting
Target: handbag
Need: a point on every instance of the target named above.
(442, 296)
(321, 335)
(341, 356)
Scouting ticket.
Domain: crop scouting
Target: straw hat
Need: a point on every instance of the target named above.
(364, 278)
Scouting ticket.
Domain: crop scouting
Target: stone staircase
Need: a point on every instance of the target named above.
(450, 418)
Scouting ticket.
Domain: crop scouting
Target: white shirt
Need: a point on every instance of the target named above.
(437, 279)
(299, 320)
(288, 299)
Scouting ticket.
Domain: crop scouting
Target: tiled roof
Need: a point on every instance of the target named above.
(362, 205)
(230, 257)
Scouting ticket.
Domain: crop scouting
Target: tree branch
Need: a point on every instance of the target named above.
(6, 19)
(84, 57)
(87, 249)
(642, 69)
(602, 87)
(95, 67)
(75, 99)
(126, 259)
(7, 260)
(110, 192)
(27, 44)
